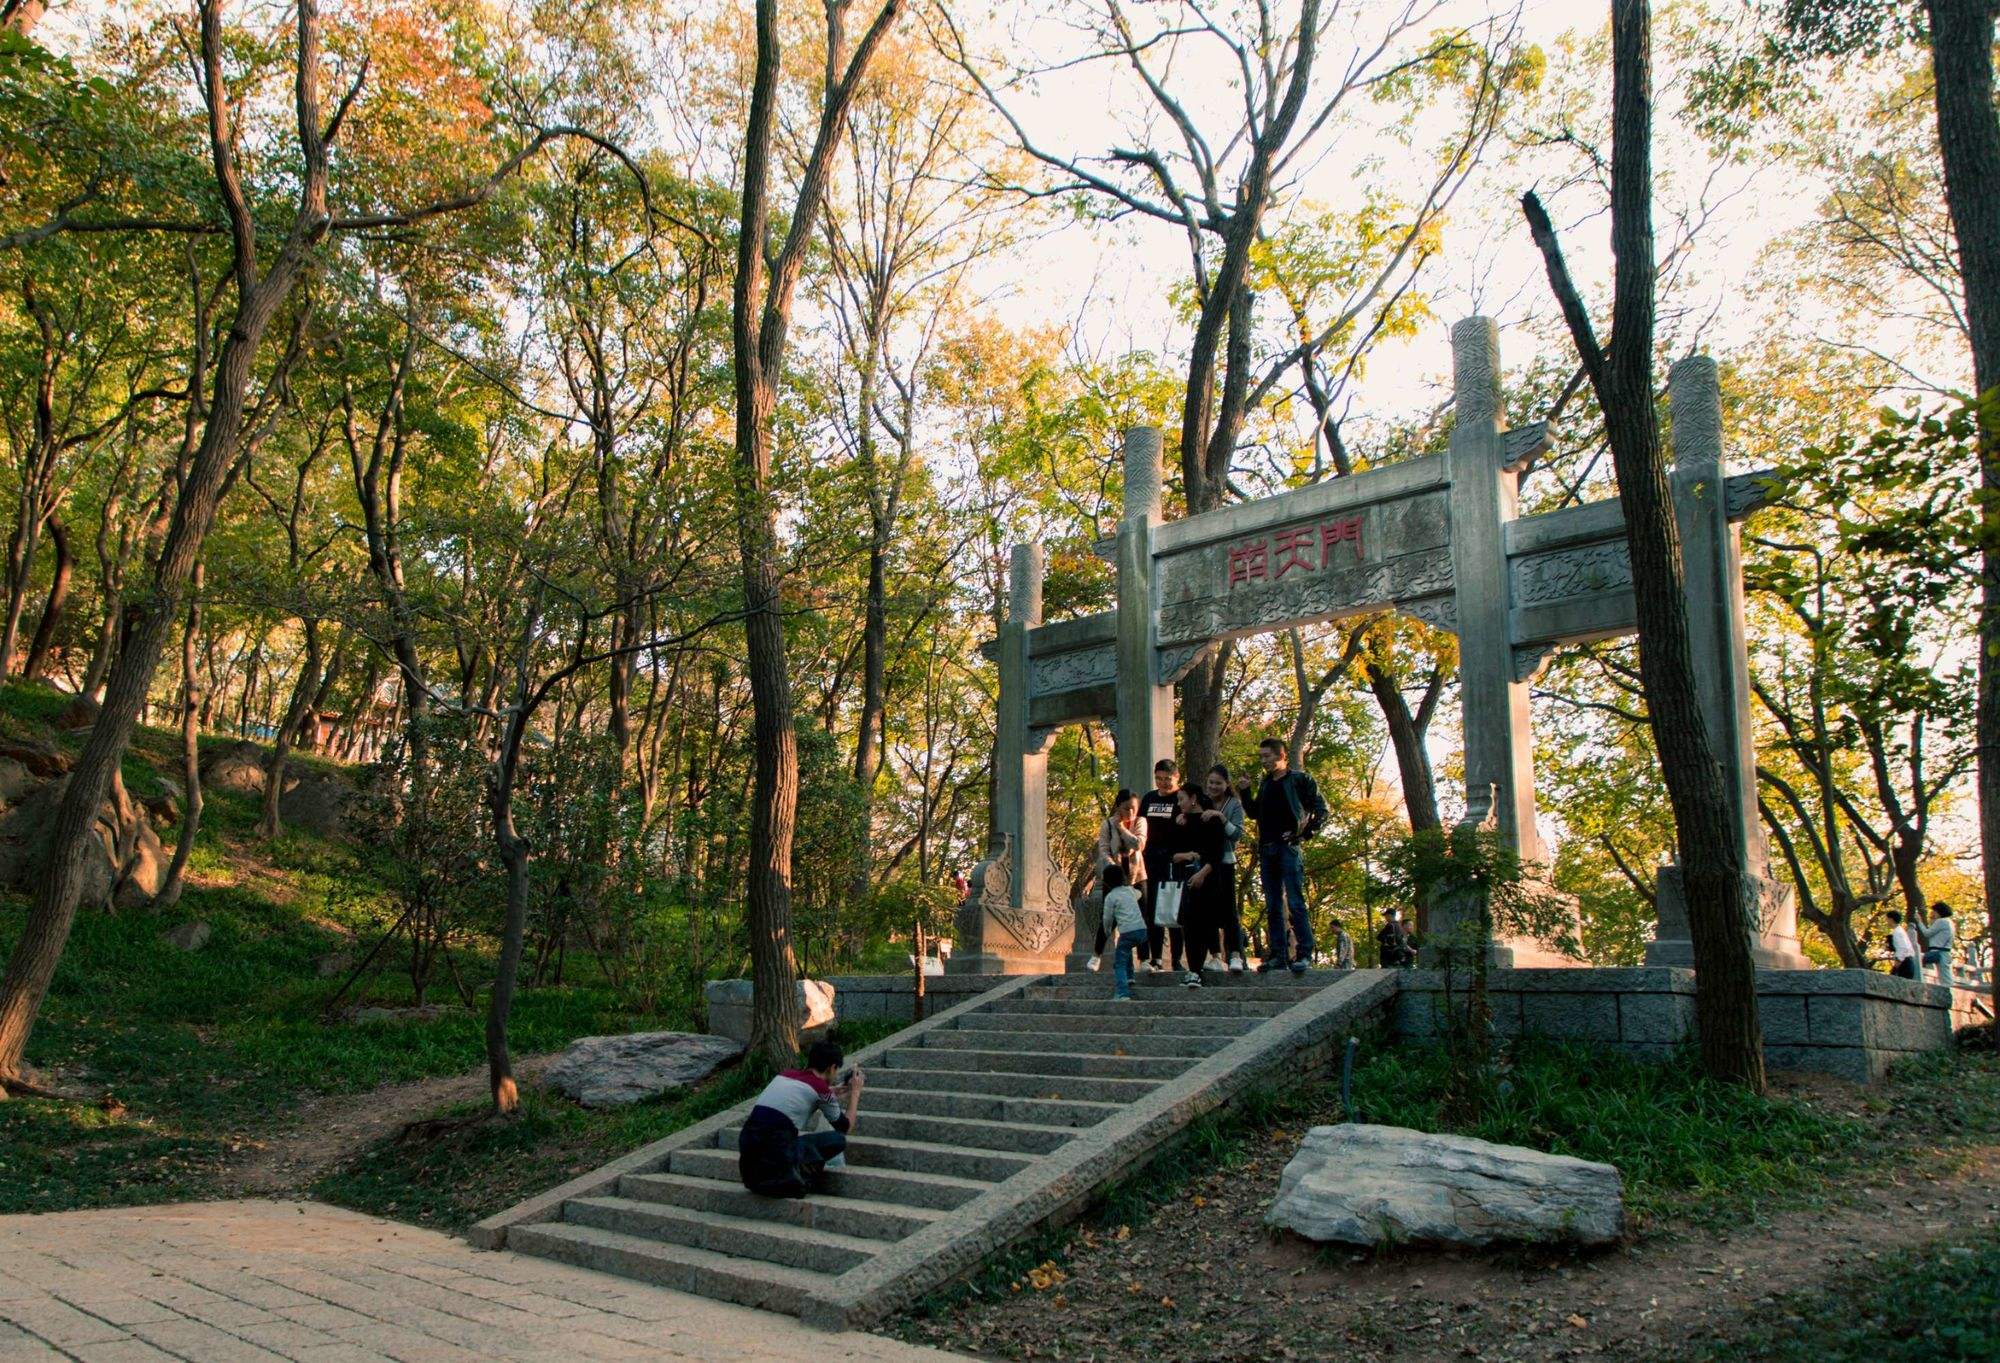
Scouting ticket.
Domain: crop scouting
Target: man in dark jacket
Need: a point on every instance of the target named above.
(1289, 809)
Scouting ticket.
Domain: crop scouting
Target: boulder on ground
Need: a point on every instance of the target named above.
(314, 803)
(162, 810)
(1358, 1184)
(15, 780)
(80, 713)
(124, 864)
(334, 963)
(729, 1009)
(239, 768)
(610, 1071)
(43, 760)
(190, 936)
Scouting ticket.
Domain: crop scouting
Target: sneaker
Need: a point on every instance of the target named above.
(1266, 966)
(1213, 965)
(1093, 963)
(837, 1162)
(1236, 964)
(1298, 967)
(1191, 980)
(1121, 998)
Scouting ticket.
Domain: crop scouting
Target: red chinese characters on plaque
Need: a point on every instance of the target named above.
(1304, 548)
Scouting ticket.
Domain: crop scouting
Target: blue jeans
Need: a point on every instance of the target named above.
(1284, 879)
(1121, 959)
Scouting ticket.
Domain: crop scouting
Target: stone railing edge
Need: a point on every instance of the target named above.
(1062, 1184)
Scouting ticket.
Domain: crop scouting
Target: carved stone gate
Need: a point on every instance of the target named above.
(1437, 538)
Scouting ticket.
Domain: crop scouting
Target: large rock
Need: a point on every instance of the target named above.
(190, 936)
(80, 713)
(314, 803)
(1370, 1185)
(124, 863)
(42, 759)
(239, 769)
(610, 1071)
(15, 780)
(729, 1009)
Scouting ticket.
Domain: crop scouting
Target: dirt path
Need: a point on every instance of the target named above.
(1203, 1280)
(332, 1128)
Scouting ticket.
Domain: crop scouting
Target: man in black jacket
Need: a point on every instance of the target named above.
(1289, 809)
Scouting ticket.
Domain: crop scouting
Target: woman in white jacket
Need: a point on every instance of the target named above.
(1121, 842)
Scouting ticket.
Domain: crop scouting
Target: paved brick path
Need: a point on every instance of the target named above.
(233, 1282)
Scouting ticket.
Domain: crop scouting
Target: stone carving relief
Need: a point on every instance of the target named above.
(1439, 612)
(1175, 661)
(1571, 573)
(1326, 595)
(1072, 671)
(1530, 659)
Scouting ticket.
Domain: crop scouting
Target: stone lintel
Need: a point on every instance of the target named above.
(1391, 482)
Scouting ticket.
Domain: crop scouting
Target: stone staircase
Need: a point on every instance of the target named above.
(1004, 1115)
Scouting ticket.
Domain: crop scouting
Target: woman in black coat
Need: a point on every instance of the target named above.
(1198, 847)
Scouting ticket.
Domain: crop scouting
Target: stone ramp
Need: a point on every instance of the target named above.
(1002, 1116)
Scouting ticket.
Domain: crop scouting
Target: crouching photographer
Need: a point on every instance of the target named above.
(777, 1155)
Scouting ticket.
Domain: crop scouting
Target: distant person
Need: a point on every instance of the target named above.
(1939, 936)
(1159, 807)
(1198, 866)
(1393, 940)
(1125, 923)
(1227, 810)
(776, 1155)
(1903, 947)
(1121, 842)
(1288, 809)
(1343, 949)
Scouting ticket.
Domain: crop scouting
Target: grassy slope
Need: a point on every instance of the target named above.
(190, 1054)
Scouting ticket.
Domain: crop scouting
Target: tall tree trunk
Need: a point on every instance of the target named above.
(106, 647)
(20, 567)
(1732, 1045)
(258, 299)
(52, 609)
(1969, 144)
(1406, 737)
(303, 691)
(170, 892)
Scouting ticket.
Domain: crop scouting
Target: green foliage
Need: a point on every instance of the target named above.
(1684, 1143)
(1936, 1305)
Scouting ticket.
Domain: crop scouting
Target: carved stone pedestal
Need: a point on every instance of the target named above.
(998, 935)
(1766, 903)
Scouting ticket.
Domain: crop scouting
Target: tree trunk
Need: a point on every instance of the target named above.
(1712, 874)
(170, 892)
(258, 298)
(99, 666)
(1969, 145)
(303, 690)
(20, 567)
(1413, 758)
(45, 631)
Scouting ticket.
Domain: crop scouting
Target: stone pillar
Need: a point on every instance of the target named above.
(1499, 761)
(1145, 724)
(1017, 916)
(1711, 548)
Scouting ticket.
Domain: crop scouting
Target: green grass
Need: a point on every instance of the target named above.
(1942, 1303)
(1685, 1144)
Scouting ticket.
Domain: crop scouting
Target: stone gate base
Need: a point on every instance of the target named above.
(1850, 1023)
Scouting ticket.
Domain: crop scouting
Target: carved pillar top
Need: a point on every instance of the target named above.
(1694, 393)
(1024, 586)
(1475, 354)
(1142, 473)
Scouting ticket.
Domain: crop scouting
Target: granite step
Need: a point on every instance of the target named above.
(850, 1216)
(1164, 1041)
(1107, 1024)
(984, 1107)
(1015, 1136)
(908, 1188)
(748, 1282)
(1190, 1003)
(773, 1242)
(1057, 1088)
(1053, 1065)
(1173, 994)
(869, 1151)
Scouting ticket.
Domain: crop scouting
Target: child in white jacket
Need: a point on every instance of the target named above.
(1125, 923)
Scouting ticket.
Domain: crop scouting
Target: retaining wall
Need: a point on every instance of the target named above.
(1850, 1023)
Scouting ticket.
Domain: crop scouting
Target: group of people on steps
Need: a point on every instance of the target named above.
(1191, 835)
